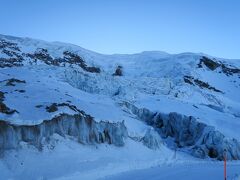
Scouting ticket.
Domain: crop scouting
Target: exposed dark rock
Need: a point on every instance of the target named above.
(212, 153)
(15, 57)
(1, 96)
(7, 44)
(230, 70)
(76, 59)
(42, 55)
(192, 81)
(6, 110)
(118, 71)
(10, 62)
(21, 90)
(69, 57)
(205, 85)
(3, 107)
(188, 79)
(73, 58)
(13, 81)
(54, 107)
(93, 69)
(212, 64)
(13, 53)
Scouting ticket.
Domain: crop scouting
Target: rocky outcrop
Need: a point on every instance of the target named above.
(42, 55)
(54, 107)
(13, 56)
(203, 85)
(195, 137)
(213, 64)
(12, 53)
(7, 44)
(3, 107)
(80, 126)
(118, 71)
(13, 82)
(76, 59)
(69, 58)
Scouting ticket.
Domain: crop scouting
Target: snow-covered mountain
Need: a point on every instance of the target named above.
(60, 102)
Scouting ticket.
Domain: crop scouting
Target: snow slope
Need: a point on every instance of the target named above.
(42, 80)
(213, 171)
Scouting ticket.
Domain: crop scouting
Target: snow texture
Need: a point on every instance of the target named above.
(107, 114)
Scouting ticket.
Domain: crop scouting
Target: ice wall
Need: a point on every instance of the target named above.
(81, 126)
(195, 137)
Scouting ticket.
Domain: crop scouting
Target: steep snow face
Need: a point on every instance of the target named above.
(190, 135)
(42, 80)
(81, 126)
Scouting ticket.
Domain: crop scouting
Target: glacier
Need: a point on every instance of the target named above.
(62, 102)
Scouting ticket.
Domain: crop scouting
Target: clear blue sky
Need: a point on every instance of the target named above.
(129, 26)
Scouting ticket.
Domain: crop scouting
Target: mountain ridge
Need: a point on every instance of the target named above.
(112, 54)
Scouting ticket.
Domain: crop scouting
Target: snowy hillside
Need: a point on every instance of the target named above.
(97, 115)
